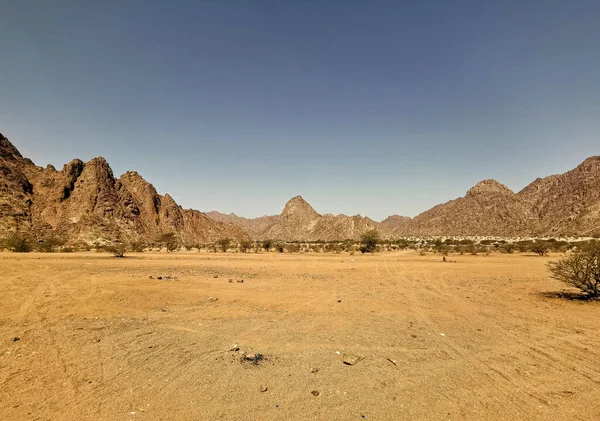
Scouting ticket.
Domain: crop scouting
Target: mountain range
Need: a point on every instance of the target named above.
(84, 202)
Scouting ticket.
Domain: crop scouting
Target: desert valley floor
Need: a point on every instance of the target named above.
(86, 336)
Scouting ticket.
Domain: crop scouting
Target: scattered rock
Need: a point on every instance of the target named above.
(350, 359)
(16, 338)
(213, 299)
(314, 370)
(159, 277)
(253, 358)
(241, 281)
(150, 277)
(263, 388)
(234, 348)
(315, 393)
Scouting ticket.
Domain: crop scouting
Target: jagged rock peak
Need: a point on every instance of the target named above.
(7, 149)
(489, 186)
(297, 205)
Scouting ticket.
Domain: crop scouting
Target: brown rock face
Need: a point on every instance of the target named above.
(253, 226)
(84, 202)
(300, 222)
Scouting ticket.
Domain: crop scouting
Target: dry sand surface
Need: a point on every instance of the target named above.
(471, 340)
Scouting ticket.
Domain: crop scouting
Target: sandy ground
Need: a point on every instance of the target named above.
(471, 340)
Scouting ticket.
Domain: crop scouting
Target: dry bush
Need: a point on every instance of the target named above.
(223, 244)
(245, 245)
(49, 245)
(580, 269)
(267, 244)
(540, 248)
(18, 244)
(508, 248)
(118, 250)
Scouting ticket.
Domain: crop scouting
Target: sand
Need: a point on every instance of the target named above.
(471, 340)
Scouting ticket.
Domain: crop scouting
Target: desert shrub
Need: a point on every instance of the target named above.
(137, 247)
(292, 248)
(245, 245)
(540, 248)
(471, 249)
(49, 244)
(117, 250)
(267, 244)
(580, 269)
(18, 244)
(67, 249)
(369, 240)
(508, 248)
(223, 244)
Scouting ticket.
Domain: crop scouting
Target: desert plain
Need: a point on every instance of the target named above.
(86, 336)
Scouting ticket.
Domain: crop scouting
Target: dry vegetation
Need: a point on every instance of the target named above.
(179, 336)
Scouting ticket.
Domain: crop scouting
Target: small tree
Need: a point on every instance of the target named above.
(169, 240)
(223, 244)
(245, 245)
(370, 240)
(508, 248)
(580, 269)
(540, 247)
(267, 245)
(118, 250)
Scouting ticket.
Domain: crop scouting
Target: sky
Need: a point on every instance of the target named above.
(362, 107)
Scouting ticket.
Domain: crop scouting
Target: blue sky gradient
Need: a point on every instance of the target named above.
(370, 107)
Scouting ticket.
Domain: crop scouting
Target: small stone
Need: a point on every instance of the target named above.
(234, 348)
(159, 277)
(315, 393)
(263, 388)
(212, 299)
(216, 276)
(231, 281)
(16, 338)
(314, 370)
(350, 359)
(339, 301)
(241, 281)
(150, 277)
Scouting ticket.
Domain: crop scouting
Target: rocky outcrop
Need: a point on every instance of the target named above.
(253, 226)
(84, 202)
(300, 222)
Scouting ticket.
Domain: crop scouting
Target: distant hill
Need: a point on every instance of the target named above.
(300, 222)
(253, 226)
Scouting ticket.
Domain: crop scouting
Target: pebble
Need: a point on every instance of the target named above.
(234, 348)
(241, 281)
(16, 338)
(315, 393)
(314, 370)
(352, 359)
(212, 299)
(263, 388)
(216, 276)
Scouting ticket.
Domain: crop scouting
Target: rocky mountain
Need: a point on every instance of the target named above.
(559, 205)
(300, 222)
(395, 225)
(253, 226)
(84, 202)
(569, 203)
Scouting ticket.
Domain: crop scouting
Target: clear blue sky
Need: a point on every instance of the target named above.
(372, 107)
